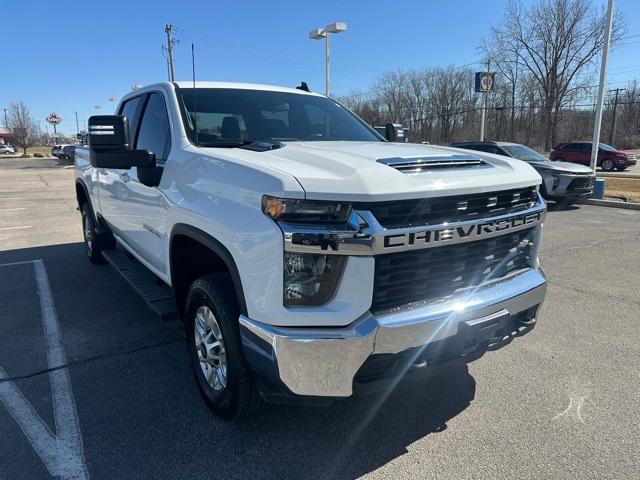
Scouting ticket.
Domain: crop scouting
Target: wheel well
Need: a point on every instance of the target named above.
(81, 195)
(191, 259)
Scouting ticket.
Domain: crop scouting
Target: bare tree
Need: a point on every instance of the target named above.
(23, 127)
(555, 41)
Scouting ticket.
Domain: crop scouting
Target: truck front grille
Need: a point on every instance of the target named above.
(432, 211)
(440, 272)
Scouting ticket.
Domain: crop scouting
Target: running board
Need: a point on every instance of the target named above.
(153, 291)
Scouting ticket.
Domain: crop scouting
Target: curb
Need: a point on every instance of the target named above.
(609, 203)
(617, 175)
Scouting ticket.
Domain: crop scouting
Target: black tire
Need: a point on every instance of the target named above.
(92, 241)
(239, 397)
(608, 165)
(622, 169)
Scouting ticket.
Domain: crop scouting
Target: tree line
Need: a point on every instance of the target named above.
(544, 56)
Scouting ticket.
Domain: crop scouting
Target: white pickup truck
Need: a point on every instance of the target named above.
(308, 258)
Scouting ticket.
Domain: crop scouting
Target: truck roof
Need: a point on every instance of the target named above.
(243, 86)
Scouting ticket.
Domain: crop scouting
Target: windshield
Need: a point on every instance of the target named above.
(522, 152)
(228, 116)
(606, 147)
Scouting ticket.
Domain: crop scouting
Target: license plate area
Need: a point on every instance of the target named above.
(485, 333)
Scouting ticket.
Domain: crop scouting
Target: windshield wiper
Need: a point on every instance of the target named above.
(255, 145)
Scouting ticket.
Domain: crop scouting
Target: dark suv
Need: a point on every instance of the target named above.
(580, 152)
(560, 180)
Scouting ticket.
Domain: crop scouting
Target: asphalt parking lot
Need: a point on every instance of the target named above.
(561, 402)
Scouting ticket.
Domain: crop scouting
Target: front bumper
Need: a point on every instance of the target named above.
(568, 184)
(324, 362)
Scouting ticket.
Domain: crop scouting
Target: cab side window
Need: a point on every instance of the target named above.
(131, 110)
(154, 134)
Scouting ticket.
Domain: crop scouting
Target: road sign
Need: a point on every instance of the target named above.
(485, 81)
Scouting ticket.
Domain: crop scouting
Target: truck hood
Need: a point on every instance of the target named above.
(561, 167)
(351, 170)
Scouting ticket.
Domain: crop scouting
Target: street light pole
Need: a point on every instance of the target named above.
(77, 125)
(603, 72)
(323, 33)
(327, 65)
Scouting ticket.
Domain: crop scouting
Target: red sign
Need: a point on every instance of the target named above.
(53, 119)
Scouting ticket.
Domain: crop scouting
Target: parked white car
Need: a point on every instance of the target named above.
(7, 149)
(308, 258)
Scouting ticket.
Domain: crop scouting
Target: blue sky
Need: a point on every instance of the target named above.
(67, 56)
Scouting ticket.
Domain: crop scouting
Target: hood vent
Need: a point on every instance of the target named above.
(423, 164)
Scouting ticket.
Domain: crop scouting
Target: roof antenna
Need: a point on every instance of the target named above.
(195, 95)
(303, 86)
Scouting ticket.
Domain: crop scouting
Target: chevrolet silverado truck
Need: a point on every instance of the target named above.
(308, 257)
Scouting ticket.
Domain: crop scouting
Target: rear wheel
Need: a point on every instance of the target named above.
(608, 165)
(213, 340)
(91, 239)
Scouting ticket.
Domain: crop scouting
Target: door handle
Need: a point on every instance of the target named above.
(124, 176)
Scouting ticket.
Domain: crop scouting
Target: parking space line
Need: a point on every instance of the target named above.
(12, 209)
(22, 227)
(62, 452)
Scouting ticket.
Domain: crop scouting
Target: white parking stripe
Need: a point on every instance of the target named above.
(12, 209)
(62, 453)
(22, 227)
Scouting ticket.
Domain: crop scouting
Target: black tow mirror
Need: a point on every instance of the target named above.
(109, 132)
(110, 146)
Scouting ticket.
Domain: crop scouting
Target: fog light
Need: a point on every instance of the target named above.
(310, 279)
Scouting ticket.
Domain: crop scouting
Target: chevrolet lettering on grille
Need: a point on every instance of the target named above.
(462, 232)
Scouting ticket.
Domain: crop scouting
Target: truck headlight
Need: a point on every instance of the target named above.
(311, 279)
(307, 211)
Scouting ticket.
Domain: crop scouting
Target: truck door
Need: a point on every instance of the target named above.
(136, 212)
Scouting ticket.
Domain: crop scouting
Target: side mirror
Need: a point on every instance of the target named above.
(394, 132)
(110, 147)
(109, 132)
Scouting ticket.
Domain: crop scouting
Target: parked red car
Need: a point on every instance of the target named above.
(580, 152)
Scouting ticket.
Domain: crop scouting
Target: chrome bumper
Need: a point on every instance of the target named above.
(324, 361)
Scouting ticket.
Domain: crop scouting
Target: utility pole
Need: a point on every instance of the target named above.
(170, 43)
(77, 124)
(614, 120)
(6, 125)
(484, 104)
(603, 73)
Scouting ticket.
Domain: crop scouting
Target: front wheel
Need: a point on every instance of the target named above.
(90, 234)
(213, 340)
(608, 165)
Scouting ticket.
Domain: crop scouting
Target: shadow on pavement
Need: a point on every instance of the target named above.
(141, 415)
(562, 206)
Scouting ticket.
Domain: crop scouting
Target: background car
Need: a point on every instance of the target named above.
(7, 149)
(560, 180)
(58, 151)
(68, 152)
(609, 158)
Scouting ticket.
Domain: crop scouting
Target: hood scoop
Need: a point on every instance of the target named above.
(412, 165)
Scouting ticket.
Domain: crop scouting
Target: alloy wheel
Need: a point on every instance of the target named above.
(210, 347)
